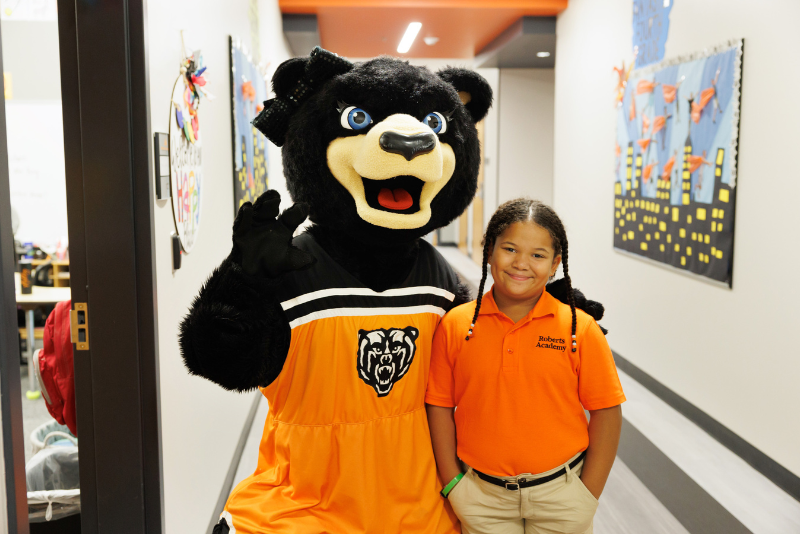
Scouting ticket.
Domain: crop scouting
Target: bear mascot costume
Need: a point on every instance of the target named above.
(335, 325)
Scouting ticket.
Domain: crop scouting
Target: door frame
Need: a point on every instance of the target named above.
(108, 161)
(16, 504)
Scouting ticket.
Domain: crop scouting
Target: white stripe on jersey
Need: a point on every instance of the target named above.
(365, 312)
(364, 291)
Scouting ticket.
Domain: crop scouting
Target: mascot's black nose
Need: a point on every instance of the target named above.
(408, 146)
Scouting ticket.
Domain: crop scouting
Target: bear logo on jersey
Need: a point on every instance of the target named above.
(385, 355)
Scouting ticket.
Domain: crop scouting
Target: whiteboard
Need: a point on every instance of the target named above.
(36, 170)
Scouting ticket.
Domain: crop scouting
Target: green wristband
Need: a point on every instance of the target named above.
(449, 487)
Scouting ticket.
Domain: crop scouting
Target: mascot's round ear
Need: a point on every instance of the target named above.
(288, 74)
(474, 90)
(294, 81)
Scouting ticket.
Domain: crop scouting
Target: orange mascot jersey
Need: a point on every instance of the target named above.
(346, 446)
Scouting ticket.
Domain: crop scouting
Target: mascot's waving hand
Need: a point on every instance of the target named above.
(335, 325)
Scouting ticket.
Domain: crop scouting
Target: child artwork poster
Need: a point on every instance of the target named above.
(185, 167)
(248, 92)
(185, 146)
(676, 155)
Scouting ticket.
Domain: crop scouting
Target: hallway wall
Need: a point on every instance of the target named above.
(525, 147)
(201, 423)
(725, 351)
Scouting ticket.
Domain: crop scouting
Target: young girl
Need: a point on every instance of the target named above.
(521, 367)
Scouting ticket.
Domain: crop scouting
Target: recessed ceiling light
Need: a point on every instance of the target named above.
(542, 54)
(430, 41)
(408, 38)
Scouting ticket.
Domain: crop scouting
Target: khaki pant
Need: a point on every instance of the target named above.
(561, 506)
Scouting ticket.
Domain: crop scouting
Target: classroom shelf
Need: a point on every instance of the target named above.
(59, 271)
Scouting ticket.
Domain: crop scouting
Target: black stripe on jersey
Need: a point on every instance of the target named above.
(366, 301)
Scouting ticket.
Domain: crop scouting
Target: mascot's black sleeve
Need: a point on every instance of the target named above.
(236, 333)
(463, 293)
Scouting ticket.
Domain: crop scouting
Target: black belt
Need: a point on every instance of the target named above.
(523, 482)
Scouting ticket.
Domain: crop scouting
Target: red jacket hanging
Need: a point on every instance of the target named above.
(57, 374)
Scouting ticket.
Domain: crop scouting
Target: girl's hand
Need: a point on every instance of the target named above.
(594, 491)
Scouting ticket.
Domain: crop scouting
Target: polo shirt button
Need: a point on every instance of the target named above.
(509, 350)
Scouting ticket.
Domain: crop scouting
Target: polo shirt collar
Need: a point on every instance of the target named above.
(547, 305)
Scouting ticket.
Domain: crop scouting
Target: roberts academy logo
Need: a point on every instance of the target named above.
(555, 343)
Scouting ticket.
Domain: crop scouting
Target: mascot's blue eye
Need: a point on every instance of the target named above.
(354, 118)
(436, 122)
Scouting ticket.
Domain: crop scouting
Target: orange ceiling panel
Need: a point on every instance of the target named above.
(367, 28)
(310, 6)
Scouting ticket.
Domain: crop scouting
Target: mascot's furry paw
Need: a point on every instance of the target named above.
(264, 239)
(236, 333)
(559, 290)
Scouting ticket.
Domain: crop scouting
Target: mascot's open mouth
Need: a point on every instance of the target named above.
(390, 190)
(400, 194)
(384, 374)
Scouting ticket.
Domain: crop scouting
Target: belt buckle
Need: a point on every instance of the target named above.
(512, 486)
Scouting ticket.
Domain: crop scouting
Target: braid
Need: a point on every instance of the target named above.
(480, 287)
(570, 292)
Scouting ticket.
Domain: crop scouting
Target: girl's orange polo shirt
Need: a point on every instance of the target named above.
(519, 389)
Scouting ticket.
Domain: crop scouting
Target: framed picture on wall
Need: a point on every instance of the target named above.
(676, 158)
(248, 93)
(186, 148)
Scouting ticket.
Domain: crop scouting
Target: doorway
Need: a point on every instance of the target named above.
(107, 183)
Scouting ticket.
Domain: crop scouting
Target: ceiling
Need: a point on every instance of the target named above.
(367, 28)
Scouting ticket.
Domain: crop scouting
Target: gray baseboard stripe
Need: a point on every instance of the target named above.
(227, 486)
(762, 463)
(690, 504)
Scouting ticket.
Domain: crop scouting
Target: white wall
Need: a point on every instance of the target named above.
(201, 423)
(525, 146)
(35, 134)
(729, 352)
(30, 54)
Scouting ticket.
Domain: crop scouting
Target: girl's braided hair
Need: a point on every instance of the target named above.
(527, 210)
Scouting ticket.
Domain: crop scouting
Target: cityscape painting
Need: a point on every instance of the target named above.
(676, 156)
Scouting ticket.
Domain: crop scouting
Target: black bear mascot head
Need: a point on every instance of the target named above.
(382, 151)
